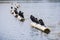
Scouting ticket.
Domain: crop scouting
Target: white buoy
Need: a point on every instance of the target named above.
(42, 28)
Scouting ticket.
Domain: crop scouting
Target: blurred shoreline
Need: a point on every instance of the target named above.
(30, 1)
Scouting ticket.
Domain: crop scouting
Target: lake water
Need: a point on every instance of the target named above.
(13, 29)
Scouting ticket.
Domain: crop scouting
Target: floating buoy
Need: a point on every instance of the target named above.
(40, 27)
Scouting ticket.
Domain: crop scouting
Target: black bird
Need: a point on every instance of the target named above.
(34, 19)
(41, 22)
(11, 7)
(21, 14)
(16, 12)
